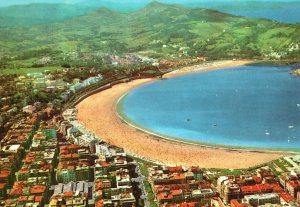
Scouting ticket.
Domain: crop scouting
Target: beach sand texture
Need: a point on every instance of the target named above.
(98, 113)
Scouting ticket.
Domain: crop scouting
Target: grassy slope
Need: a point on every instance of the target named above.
(26, 70)
(206, 31)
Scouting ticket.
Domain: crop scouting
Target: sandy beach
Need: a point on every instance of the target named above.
(98, 113)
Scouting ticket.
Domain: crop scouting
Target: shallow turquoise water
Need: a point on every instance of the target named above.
(248, 106)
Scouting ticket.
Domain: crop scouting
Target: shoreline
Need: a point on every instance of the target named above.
(189, 70)
(118, 132)
(155, 135)
(215, 65)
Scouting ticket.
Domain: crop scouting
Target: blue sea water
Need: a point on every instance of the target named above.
(285, 13)
(248, 106)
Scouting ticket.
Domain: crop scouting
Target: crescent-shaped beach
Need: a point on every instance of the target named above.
(99, 114)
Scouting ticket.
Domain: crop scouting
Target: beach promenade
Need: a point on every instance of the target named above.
(98, 113)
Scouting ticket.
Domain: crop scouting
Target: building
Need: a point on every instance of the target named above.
(113, 185)
(293, 187)
(68, 199)
(177, 185)
(228, 188)
(74, 164)
(261, 199)
(261, 188)
(286, 198)
(82, 189)
(30, 109)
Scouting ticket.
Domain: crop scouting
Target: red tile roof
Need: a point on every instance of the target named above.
(190, 204)
(286, 197)
(294, 183)
(70, 155)
(177, 169)
(2, 185)
(101, 185)
(18, 188)
(23, 198)
(4, 173)
(99, 203)
(258, 188)
(38, 189)
(177, 176)
(68, 194)
(162, 188)
(176, 192)
(276, 188)
(164, 196)
(67, 147)
(38, 198)
(236, 203)
(257, 179)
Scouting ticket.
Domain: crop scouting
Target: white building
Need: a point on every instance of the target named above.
(87, 82)
(262, 199)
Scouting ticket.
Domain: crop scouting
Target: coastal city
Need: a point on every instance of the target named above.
(48, 158)
(141, 103)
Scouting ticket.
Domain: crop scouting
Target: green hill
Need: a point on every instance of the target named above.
(42, 13)
(159, 30)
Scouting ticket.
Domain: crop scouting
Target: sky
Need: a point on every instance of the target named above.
(4, 3)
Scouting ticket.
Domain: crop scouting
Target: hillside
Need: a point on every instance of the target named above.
(43, 13)
(35, 14)
(159, 30)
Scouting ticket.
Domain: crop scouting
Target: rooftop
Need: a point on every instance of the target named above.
(38, 189)
(286, 197)
(258, 188)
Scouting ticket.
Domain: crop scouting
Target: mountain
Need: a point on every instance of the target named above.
(280, 10)
(42, 13)
(34, 14)
(159, 30)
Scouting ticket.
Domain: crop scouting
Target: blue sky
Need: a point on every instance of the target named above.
(4, 3)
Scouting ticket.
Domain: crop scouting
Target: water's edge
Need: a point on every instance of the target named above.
(124, 118)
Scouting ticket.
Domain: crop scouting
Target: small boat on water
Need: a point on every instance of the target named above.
(291, 127)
